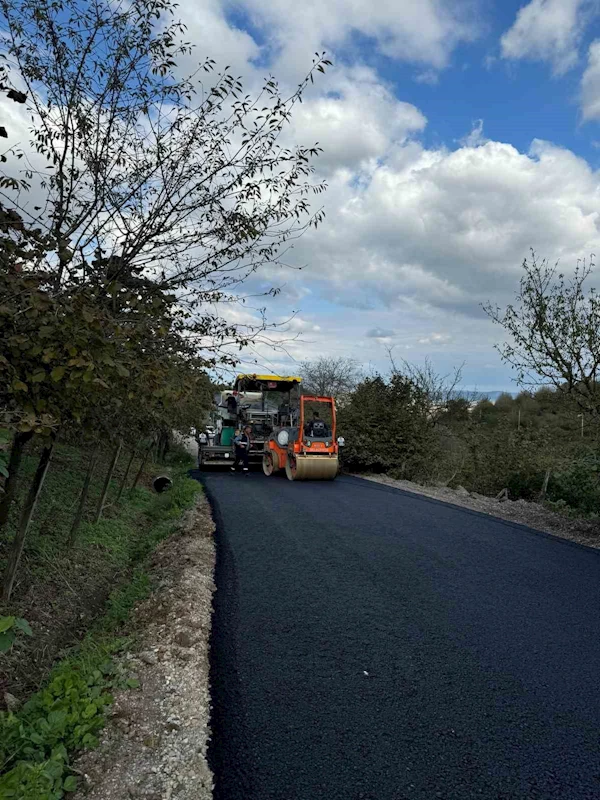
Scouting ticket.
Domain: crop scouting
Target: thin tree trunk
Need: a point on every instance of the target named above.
(142, 465)
(14, 463)
(26, 516)
(107, 480)
(84, 494)
(124, 479)
(545, 484)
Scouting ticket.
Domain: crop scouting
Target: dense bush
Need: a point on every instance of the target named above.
(391, 426)
(386, 427)
(577, 485)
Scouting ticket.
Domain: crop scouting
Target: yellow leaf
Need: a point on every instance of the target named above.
(19, 386)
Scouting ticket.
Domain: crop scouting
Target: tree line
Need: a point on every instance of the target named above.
(414, 424)
(142, 202)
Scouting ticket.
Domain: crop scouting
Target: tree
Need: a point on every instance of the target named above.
(440, 389)
(387, 427)
(554, 332)
(505, 403)
(145, 175)
(157, 196)
(330, 377)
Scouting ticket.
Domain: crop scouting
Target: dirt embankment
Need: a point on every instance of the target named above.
(155, 744)
(534, 515)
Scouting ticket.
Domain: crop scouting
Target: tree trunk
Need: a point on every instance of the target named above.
(545, 484)
(84, 494)
(124, 479)
(26, 516)
(10, 485)
(142, 465)
(107, 480)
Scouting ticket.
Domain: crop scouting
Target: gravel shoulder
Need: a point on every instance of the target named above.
(534, 515)
(155, 743)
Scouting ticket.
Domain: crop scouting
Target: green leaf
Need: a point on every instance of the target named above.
(6, 641)
(38, 377)
(133, 683)
(24, 626)
(70, 784)
(6, 623)
(19, 386)
(57, 374)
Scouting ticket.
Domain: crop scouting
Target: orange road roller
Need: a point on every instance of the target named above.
(308, 452)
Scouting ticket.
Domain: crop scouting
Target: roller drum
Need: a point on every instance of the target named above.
(311, 468)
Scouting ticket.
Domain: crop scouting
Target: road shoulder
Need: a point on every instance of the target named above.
(155, 744)
(533, 515)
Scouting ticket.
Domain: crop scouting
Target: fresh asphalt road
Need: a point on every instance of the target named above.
(374, 644)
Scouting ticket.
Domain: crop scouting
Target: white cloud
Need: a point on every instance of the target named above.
(475, 138)
(429, 77)
(356, 121)
(417, 31)
(549, 30)
(590, 84)
(214, 37)
(445, 231)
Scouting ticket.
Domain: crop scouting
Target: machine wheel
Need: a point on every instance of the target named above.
(267, 464)
(291, 467)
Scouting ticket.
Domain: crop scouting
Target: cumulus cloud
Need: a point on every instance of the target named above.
(357, 120)
(448, 230)
(424, 33)
(549, 30)
(213, 36)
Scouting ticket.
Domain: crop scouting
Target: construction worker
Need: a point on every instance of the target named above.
(202, 440)
(242, 444)
(316, 427)
(340, 443)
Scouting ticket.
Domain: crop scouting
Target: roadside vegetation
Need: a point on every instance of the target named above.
(130, 217)
(58, 681)
(543, 444)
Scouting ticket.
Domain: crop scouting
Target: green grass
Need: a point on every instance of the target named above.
(61, 589)
(37, 743)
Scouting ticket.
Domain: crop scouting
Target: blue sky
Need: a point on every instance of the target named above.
(457, 135)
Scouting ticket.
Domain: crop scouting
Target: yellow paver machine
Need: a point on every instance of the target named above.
(290, 431)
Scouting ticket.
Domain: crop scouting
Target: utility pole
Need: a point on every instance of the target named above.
(581, 415)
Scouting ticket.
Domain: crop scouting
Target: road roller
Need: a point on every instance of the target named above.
(309, 451)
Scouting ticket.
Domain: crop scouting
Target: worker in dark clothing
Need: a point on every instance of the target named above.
(315, 427)
(232, 405)
(242, 449)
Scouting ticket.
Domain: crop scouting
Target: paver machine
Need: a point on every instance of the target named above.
(264, 402)
(307, 450)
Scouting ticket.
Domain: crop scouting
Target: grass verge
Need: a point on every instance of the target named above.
(38, 741)
(61, 589)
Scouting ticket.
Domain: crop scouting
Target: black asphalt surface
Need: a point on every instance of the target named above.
(374, 644)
